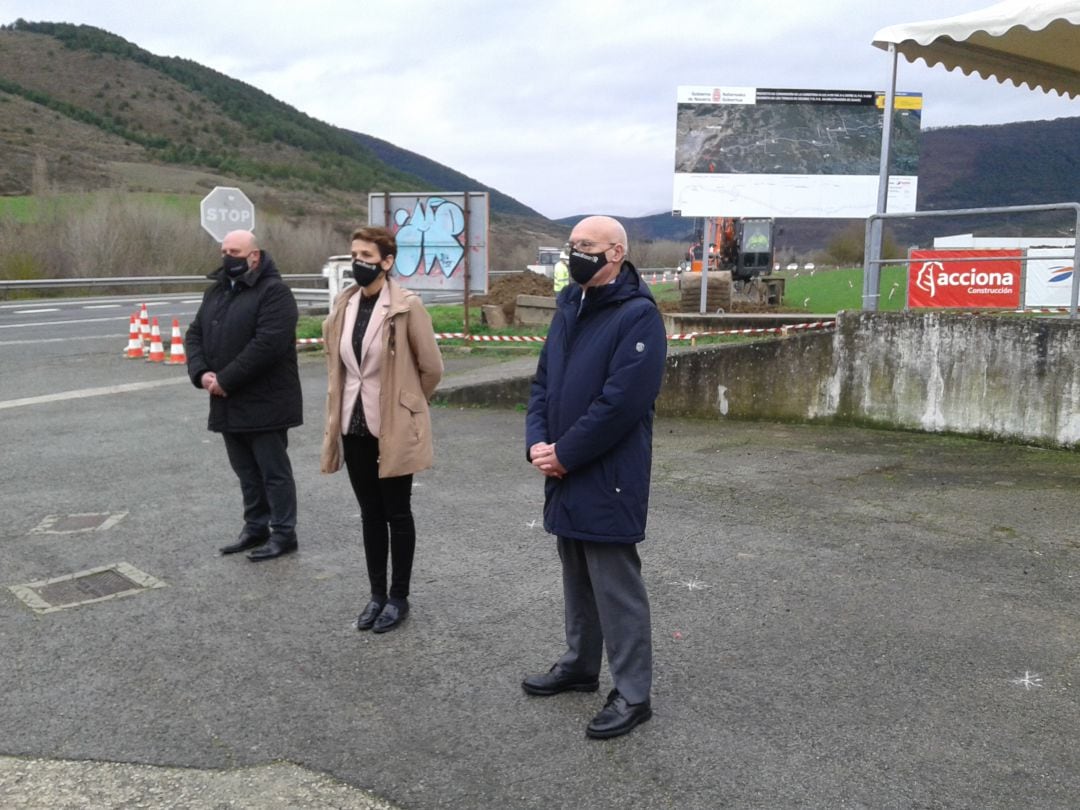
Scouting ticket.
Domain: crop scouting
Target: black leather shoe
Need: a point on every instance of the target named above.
(274, 547)
(555, 681)
(617, 717)
(245, 541)
(369, 614)
(390, 617)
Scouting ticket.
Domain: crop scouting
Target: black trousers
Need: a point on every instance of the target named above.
(261, 462)
(386, 515)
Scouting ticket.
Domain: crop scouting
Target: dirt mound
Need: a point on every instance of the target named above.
(504, 290)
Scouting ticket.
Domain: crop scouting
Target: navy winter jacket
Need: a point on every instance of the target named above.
(246, 334)
(594, 396)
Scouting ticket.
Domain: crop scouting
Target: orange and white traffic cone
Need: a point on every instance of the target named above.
(134, 347)
(177, 355)
(157, 351)
(144, 329)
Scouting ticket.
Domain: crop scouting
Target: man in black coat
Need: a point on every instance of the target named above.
(241, 348)
(589, 431)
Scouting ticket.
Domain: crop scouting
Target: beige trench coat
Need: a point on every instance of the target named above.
(411, 369)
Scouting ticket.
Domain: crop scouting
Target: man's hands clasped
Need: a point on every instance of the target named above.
(544, 459)
(210, 383)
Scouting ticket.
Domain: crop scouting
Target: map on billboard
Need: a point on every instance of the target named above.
(766, 152)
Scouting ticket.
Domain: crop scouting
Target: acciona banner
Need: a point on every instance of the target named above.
(964, 279)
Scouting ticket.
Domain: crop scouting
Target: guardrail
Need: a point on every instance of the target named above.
(306, 295)
(132, 281)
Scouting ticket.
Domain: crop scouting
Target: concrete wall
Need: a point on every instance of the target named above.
(1012, 378)
(1009, 378)
(1001, 377)
(771, 379)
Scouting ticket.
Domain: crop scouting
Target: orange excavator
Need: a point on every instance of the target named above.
(742, 246)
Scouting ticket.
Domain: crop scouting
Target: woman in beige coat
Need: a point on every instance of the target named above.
(383, 365)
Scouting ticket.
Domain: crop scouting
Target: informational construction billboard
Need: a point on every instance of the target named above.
(766, 152)
(436, 235)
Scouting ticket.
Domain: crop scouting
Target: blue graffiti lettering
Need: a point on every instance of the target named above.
(429, 236)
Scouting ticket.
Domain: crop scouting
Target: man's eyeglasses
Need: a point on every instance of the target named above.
(588, 246)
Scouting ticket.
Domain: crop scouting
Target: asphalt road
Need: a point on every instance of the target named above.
(843, 618)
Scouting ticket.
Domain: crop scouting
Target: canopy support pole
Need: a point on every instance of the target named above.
(872, 248)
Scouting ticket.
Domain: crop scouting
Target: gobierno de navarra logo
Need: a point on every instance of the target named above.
(933, 275)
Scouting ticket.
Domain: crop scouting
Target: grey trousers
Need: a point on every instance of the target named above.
(606, 605)
(261, 462)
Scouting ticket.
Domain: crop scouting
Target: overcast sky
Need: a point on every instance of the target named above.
(567, 105)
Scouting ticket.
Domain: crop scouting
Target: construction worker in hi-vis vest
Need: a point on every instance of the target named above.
(561, 275)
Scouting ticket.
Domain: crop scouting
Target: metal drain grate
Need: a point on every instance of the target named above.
(91, 586)
(85, 587)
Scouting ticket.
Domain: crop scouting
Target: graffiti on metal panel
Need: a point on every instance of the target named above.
(430, 235)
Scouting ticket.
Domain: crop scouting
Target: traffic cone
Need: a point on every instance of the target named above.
(157, 351)
(134, 347)
(144, 329)
(177, 355)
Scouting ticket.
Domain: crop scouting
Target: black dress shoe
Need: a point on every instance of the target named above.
(390, 617)
(617, 717)
(274, 547)
(369, 614)
(245, 541)
(555, 681)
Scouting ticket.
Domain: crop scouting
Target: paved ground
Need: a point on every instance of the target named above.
(842, 618)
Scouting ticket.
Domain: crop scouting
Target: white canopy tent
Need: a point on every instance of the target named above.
(1032, 42)
(1026, 42)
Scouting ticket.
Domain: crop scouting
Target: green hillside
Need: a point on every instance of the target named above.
(180, 112)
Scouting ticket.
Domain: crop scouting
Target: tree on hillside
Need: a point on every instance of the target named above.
(847, 247)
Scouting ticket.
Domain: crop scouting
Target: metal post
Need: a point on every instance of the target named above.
(871, 269)
(705, 230)
(1076, 269)
(465, 259)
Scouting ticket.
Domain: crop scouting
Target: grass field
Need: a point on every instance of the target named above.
(828, 291)
(35, 208)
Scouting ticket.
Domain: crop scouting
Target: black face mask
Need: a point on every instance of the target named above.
(365, 272)
(235, 266)
(583, 266)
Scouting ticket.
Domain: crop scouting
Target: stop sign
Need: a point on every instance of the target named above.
(226, 209)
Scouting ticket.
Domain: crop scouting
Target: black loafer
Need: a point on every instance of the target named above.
(617, 717)
(274, 547)
(369, 614)
(555, 681)
(390, 617)
(245, 541)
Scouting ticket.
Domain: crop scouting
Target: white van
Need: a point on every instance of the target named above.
(338, 274)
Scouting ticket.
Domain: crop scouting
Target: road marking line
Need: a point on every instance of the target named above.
(72, 302)
(34, 311)
(102, 306)
(60, 323)
(82, 393)
(59, 340)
